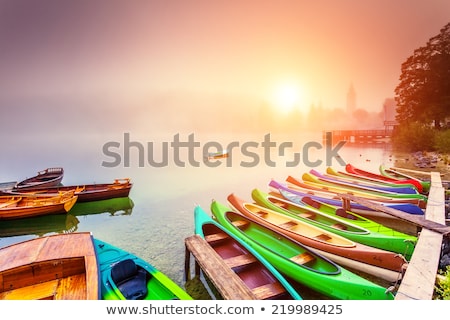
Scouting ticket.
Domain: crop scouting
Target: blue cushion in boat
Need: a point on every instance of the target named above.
(130, 279)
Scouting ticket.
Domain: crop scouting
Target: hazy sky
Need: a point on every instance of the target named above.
(126, 49)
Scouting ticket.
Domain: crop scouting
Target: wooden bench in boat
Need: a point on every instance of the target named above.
(307, 215)
(240, 223)
(214, 237)
(303, 258)
(270, 290)
(339, 226)
(211, 238)
(323, 237)
(241, 260)
(288, 224)
(260, 213)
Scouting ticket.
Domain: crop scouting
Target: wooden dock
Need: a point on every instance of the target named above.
(420, 277)
(359, 136)
(229, 285)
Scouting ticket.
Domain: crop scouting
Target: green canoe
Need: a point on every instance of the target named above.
(261, 277)
(341, 222)
(298, 261)
(125, 276)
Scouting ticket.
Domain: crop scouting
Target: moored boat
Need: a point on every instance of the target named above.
(298, 261)
(401, 177)
(119, 188)
(56, 267)
(318, 238)
(373, 196)
(358, 190)
(124, 276)
(24, 206)
(333, 199)
(263, 280)
(369, 185)
(350, 177)
(337, 220)
(49, 177)
(365, 173)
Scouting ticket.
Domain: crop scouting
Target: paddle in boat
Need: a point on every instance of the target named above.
(395, 174)
(25, 206)
(318, 238)
(56, 267)
(49, 177)
(263, 280)
(124, 276)
(297, 261)
(337, 220)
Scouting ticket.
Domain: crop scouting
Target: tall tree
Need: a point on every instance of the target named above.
(423, 94)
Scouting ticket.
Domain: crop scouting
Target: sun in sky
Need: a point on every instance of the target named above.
(287, 96)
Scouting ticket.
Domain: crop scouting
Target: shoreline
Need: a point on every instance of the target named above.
(405, 160)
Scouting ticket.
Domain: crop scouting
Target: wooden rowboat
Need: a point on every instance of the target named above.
(59, 267)
(124, 276)
(297, 261)
(318, 238)
(46, 178)
(119, 188)
(25, 206)
(263, 280)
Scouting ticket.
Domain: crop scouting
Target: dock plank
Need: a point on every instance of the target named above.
(420, 276)
(228, 283)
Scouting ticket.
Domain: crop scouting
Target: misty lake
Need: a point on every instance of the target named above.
(158, 215)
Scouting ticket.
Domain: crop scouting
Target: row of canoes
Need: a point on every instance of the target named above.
(43, 195)
(303, 229)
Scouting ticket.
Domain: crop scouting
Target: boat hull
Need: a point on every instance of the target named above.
(49, 177)
(30, 206)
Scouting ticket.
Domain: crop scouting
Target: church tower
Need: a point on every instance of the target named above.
(351, 99)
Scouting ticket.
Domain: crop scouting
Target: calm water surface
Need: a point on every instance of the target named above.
(154, 221)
